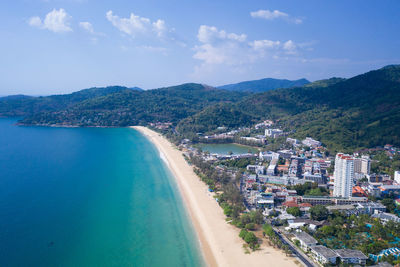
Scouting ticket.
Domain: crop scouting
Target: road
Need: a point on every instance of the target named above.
(295, 250)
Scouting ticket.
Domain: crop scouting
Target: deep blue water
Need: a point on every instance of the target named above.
(89, 197)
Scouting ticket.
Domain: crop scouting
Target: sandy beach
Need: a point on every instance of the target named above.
(219, 241)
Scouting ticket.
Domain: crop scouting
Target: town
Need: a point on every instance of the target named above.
(326, 209)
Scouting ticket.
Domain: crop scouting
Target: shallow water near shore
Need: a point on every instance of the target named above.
(89, 197)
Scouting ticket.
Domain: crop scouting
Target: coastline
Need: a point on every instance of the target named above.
(219, 241)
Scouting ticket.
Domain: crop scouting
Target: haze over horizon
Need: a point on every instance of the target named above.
(61, 46)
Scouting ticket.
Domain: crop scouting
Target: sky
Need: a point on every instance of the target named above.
(61, 46)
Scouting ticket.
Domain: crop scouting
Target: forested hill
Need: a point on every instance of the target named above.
(263, 85)
(117, 106)
(363, 111)
(21, 105)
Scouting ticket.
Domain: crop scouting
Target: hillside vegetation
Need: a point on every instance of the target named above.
(263, 85)
(118, 107)
(363, 111)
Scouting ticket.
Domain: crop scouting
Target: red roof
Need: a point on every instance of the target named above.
(290, 204)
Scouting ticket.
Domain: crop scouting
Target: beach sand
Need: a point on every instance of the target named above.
(219, 241)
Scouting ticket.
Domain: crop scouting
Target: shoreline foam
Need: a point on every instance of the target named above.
(219, 241)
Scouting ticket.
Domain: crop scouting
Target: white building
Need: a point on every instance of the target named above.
(311, 142)
(274, 133)
(268, 156)
(256, 168)
(343, 175)
(397, 176)
(362, 165)
(306, 241)
(271, 170)
(323, 254)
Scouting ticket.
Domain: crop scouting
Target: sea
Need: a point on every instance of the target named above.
(89, 197)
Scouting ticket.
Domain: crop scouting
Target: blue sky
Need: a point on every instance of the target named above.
(61, 46)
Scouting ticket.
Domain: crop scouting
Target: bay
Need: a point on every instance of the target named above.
(89, 197)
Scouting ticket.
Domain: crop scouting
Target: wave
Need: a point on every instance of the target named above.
(162, 156)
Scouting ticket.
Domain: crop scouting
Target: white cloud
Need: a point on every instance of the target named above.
(159, 27)
(264, 44)
(231, 52)
(35, 21)
(136, 25)
(290, 47)
(266, 14)
(220, 47)
(55, 21)
(209, 34)
(87, 26)
(276, 14)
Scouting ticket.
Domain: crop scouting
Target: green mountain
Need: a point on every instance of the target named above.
(263, 85)
(21, 105)
(120, 106)
(363, 111)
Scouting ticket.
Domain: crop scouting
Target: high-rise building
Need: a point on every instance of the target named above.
(343, 175)
(362, 165)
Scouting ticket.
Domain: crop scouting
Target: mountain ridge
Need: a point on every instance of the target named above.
(359, 112)
(262, 85)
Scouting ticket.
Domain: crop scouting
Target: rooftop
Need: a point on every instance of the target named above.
(306, 238)
(341, 207)
(324, 251)
(350, 253)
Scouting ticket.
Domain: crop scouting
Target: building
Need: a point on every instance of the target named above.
(358, 191)
(253, 139)
(397, 177)
(315, 178)
(306, 241)
(256, 169)
(316, 200)
(271, 168)
(387, 189)
(324, 255)
(311, 142)
(385, 217)
(362, 165)
(268, 156)
(370, 208)
(384, 253)
(351, 256)
(274, 133)
(343, 175)
(292, 141)
(348, 209)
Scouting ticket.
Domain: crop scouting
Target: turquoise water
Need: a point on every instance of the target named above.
(226, 148)
(89, 197)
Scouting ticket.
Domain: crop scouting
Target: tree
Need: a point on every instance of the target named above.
(250, 226)
(295, 211)
(267, 228)
(242, 233)
(256, 216)
(251, 239)
(319, 212)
